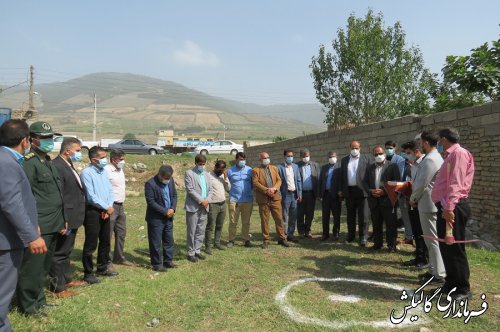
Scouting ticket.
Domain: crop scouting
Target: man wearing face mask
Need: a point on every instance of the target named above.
(161, 199)
(291, 193)
(217, 205)
(450, 194)
(422, 187)
(74, 214)
(267, 183)
(240, 200)
(381, 208)
(46, 186)
(100, 198)
(390, 149)
(309, 171)
(19, 232)
(352, 188)
(415, 157)
(330, 201)
(198, 186)
(117, 221)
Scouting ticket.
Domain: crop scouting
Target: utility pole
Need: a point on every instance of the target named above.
(31, 105)
(94, 127)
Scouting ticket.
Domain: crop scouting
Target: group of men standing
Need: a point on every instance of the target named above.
(43, 203)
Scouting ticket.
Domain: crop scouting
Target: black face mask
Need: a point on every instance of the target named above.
(218, 172)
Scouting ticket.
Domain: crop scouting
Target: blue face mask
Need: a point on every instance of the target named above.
(200, 168)
(440, 148)
(289, 160)
(46, 145)
(242, 163)
(77, 156)
(389, 151)
(103, 162)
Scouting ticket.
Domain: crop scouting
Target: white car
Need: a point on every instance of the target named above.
(217, 147)
(58, 139)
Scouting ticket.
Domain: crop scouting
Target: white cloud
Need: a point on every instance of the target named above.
(191, 54)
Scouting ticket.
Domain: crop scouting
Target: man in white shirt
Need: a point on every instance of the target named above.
(118, 219)
(217, 206)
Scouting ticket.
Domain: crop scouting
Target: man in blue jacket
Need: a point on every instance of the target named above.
(291, 193)
(18, 213)
(161, 199)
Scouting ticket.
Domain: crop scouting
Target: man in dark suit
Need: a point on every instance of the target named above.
(352, 171)
(74, 214)
(380, 206)
(161, 199)
(309, 171)
(291, 193)
(18, 214)
(330, 201)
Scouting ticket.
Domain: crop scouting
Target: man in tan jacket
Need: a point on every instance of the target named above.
(266, 181)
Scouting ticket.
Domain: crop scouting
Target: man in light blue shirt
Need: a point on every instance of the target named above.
(240, 199)
(100, 200)
(197, 183)
(310, 172)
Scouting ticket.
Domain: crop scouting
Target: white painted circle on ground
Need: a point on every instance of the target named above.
(286, 307)
(344, 298)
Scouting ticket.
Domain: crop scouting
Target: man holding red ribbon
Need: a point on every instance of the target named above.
(450, 193)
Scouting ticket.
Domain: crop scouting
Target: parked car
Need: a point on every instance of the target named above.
(136, 146)
(59, 138)
(220, 147)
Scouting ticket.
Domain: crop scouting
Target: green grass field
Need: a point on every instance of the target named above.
(235, 290)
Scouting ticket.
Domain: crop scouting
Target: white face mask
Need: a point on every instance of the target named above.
(354, 152)
(332, 160)
(306, 159)
(380, 158)
(120, 164)
(266, 161)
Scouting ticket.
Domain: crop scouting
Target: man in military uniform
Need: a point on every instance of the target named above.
(46, 187)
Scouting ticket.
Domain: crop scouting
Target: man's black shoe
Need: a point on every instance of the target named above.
(192, 259)
(208, 250)
(220, 246)
(200, 256)
(91, 279)
(160, 268)
(107, 273)
(265, 245)
(284, 243)
(170, 265)
(248, 244)
(411, 262)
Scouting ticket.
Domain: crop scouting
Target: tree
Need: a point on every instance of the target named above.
(476, 73)
(371, 75)
(129, 136)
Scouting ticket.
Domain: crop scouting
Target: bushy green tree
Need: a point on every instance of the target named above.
(371, 75)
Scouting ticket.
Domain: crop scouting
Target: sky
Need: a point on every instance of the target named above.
(252, 51)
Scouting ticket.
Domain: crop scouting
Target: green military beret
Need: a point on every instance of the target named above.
(41, 128)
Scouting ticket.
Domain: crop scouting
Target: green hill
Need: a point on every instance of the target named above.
(140, 105)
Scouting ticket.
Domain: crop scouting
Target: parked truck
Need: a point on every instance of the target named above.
(179, 144)
(5, 114)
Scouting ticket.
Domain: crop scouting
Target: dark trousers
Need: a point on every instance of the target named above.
(10, 264)
(330, 205)
(355, 204)
(60, 271)
(97, 231)
(33, 276)
(379, 215)
(117, 225)
(421, 253)
(454, 256)
(305, 212)
(161, 235)
(216, 217)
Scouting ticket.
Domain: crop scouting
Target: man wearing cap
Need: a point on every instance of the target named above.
(46, 186)
(18, 215)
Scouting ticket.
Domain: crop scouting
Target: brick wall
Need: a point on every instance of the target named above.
(479, 129)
